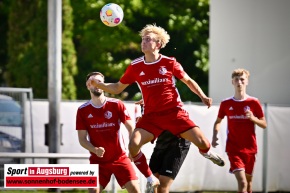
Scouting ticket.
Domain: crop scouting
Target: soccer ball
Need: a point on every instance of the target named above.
(111, 14)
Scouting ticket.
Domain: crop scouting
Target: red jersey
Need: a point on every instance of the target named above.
(103, 127)
(156, 82)
(241, 136)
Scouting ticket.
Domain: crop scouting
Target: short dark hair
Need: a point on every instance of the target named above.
(93, 74)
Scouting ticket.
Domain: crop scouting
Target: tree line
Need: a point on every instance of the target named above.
(88, 45)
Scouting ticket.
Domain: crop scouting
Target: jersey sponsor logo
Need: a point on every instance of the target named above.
(108, 114)
(238, 117)
(231, 108)
(90, 116)
(142, 73)
(162, 70)
(154, 81)
(102, 125)
(169, 171)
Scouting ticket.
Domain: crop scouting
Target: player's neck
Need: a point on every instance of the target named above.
(98, 101)
(240, 95)
(152, 57)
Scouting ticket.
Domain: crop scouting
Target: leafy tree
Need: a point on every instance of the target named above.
(110, 50)
(27, 48)
(4, 11)
(69, 58)
(101, 48)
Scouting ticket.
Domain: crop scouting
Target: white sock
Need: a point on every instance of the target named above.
(150, 178)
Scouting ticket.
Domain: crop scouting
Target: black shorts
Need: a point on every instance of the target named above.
(167, 162)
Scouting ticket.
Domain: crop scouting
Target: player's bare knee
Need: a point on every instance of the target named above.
(133, 148)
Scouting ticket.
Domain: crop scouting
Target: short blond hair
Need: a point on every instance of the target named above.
(161, 34)
(240, 72)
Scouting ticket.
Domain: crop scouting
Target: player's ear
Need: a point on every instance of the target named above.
(159, 45)
(88, 84)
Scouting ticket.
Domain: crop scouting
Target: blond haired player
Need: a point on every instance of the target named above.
(163, 110)
(243, 113)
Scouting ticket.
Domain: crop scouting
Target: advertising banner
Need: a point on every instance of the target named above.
(51, 175)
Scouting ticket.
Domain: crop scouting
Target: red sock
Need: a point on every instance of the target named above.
(204, 150)
(141, 163)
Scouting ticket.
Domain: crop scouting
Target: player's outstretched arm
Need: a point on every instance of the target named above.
(113, 88)
(194, 87)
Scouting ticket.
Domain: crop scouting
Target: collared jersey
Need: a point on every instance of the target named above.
(103, 127)
(241, 136)
(156, 81)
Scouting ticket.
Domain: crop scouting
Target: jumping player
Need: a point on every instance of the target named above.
(163, 110)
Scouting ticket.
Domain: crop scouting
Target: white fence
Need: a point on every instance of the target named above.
(272, 171)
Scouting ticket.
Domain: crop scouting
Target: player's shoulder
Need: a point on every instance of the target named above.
(228, 99)
(84, 105)
(170, 58)
(138, 60)
(113, 100)
(253, 99)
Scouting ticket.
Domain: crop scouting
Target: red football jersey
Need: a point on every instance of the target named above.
(156, 81)
(103, 126)
(241, 136)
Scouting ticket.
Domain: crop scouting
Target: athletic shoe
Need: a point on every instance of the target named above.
(151, 185)
(214, 157)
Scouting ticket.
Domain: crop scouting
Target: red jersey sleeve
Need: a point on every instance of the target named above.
(128, 76)
(178, 71)
(80, 123)
(123, 112)
(222, 113)
(258, 111)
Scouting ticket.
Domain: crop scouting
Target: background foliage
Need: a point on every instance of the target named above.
(88, 45)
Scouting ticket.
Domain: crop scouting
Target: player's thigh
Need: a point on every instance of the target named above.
(132, 186)
(156, 160)
(140, 137)
(124, 171)
(250, 160)
(240, 176)
(196, 136)
(105, 174)
(165, 181)
(173, 161)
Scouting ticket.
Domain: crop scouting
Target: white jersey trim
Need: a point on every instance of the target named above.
(233, 98)
(141, 59)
